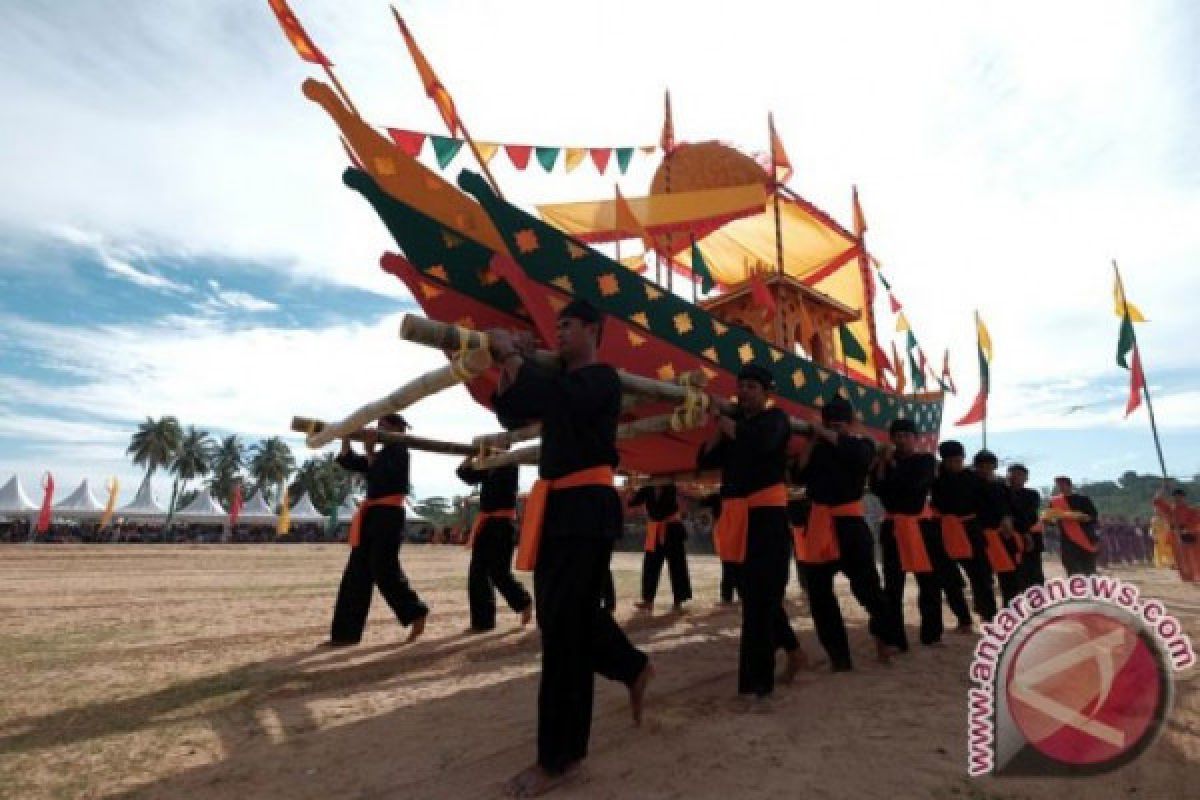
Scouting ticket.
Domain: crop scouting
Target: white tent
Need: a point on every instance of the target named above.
(346, 510)
(256, 511)
(13, 500)
(203, 509)
(145, 506)
(80, 504)
(305, 512)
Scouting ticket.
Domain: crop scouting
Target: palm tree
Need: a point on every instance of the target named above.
(193, 458)
(271, 462)
(154, 444)
(326, 483)
(228, 460)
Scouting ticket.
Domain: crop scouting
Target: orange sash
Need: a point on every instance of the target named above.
(798, 541)
(997, 553)
(656, 531)
(535, 508)
(1072, 529)
(910, 545)
(820, 545)
(391, 501)
(733, 527)
(954, 536)
(481, 519)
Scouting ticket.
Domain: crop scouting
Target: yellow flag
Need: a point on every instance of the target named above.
(285, 515)
(1135, 314)
(574, 157)
(902, 323)
(113, 486)
(985, 338)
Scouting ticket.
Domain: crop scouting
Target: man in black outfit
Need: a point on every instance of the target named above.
(994, 518)
(1078, 525)
(750, 448)
(901, 478)
(572, 517)
(955, 498)
(492, 540)
(375, 536)
(834, 466)
(665, 541)
(1025, 505)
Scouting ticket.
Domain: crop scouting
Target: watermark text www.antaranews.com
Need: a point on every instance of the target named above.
(1072, 678)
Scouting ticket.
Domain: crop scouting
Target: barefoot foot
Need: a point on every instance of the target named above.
(637, 692)
(796, 660)
(526, 615)
(418, 627)
(535, 781)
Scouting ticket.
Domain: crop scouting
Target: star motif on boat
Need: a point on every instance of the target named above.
(575, 251)
(465, 322)
(862, 392)
(384, 166)
(607, 283)
(798, 379)
(635, 340)
(819, 402)
(683, 323)
(556, 303)
(429, 290)
(640, 318)
(710, 353)
(666, 372)
(776, 356)
(652, 293)
(719, 329)
(564, 282)
(527, 241)
(875, 409)
(488, 276)
(823, 375)
(842, 393)
(439, 272)
(746, 353)
(711, 374)
(451, 240)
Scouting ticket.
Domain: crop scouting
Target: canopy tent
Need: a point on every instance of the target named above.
(256, 511)
(14, 502)
(80, 504)
(305, 512)
(346, 510)
(144, 507)
(203, 509)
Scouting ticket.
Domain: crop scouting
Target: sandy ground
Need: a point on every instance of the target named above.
(190, 672)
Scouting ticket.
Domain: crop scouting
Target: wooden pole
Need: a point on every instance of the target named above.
(1162, 463)
(341, 90)
(307, 425)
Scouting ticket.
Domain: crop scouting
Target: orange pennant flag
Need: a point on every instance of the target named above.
(762, 297)
(780, 163)
(860, 221)
(627, 221)
(429, 79)
(294, 31)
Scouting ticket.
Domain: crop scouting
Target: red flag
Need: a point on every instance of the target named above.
(894, 303)
(1137, 382)
(978, 410)
(409, 142)
(882, 358)
(235, 506)
(762, 297)
(294, 31)
(43, 520)
(519, 154)
(924, 361)
(600, 157)
(429, 79)
(781, 165)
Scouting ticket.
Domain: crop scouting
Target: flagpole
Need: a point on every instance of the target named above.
(1145, 384)
(979, 349)
(778, 224)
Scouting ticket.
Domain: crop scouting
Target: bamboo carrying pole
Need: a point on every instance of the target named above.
(308, 425)
(472, 363)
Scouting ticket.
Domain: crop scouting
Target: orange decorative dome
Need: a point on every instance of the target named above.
(706, 165)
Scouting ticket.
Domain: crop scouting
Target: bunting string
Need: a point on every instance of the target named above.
(549, 157)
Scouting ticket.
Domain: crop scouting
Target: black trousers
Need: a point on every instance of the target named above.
(579, 640)
(765, 626)
(979, 576)
(857, 563)
(731, 576)
(929, 586)
(1076, 560)
(490, 571)
(1031, 570)
(374, 563)
(672, 551)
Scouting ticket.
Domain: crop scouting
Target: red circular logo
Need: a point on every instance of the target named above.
(1086, 688)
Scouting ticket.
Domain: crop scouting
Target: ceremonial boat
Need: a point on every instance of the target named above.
(473, 259)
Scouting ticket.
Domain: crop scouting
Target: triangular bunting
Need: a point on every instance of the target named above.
(573, 158)
(487, 151)
(446, 149)
(519, 154)
(895, 304)
(600, 157)
(409, 142)
(624, 155)
(648, 149)
(546, 156)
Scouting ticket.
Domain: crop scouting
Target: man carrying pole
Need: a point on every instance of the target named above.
(572, 517)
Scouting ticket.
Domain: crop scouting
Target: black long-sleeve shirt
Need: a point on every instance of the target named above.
(578, 411)
(1083, 504)
(755, 458)
(993, 502)
(955, 492)
(905, 484)
(497, 487)
(386, 473)
(1025, 505)
(837, 473)
(660, 501)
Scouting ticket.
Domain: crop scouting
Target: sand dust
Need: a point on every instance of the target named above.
(190, 672)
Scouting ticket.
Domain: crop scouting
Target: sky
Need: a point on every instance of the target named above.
(175, 238)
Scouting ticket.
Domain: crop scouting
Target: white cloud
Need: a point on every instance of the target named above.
(241, 301)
